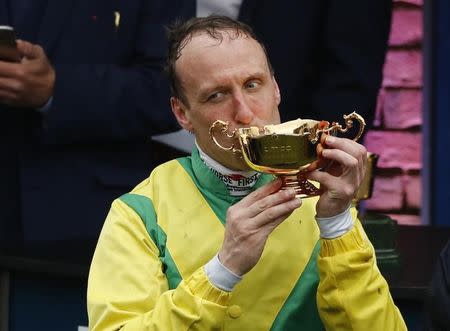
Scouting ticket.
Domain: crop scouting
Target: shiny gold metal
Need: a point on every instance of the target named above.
(287, 150)
(366, 187)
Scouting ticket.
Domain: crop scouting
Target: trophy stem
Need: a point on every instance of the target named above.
(303, 188)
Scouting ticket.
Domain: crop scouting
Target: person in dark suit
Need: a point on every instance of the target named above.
(327, 55)
(78, 111)
(437, 308)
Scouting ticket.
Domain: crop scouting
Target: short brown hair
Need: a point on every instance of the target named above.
(180, 33)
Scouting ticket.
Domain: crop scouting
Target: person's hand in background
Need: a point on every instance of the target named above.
(28, 83)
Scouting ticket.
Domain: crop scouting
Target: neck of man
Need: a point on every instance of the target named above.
(238, 183)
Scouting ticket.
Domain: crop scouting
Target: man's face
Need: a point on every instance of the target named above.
(230, 81)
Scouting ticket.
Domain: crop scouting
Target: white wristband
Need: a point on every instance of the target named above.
(220, 276)
(335, 226)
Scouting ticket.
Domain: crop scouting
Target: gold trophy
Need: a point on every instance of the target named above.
(288, 150)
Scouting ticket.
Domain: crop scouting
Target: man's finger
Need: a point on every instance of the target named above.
(10, 85)
(262, 192)
(343, 158)
(321, 177)
(29, 50)
(349, 146)
(276, 214)
(270, 201)
(8, 98)
(9, 69)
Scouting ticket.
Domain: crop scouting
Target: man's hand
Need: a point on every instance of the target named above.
(342, 178)
(250, 222)
(28, 83)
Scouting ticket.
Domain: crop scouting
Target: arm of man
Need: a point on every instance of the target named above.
(352, 293)
(28, 83)
(114, 97)
(128, 289)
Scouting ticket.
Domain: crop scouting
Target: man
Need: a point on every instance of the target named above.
(186, 251)
(327, 55)
(77, 113)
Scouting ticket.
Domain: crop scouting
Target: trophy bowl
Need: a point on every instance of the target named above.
(288, 150)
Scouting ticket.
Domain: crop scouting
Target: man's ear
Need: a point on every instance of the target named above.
(179, 110)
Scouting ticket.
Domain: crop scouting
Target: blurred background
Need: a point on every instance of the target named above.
(401, 120)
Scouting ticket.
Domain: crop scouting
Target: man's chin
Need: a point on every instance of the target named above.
(238, 163)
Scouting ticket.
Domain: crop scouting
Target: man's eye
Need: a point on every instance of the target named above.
(252, 85)
(215, 96)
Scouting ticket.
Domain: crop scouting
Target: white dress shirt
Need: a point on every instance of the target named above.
(228, 8)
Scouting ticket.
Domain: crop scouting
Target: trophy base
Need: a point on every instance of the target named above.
(303, 188)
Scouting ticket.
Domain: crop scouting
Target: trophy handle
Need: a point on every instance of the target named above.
(348, 125)
(224, 130)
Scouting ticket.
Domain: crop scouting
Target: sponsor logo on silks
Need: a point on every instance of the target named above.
(248, 181)
(236, 177)
(224, 178)
(237, 184)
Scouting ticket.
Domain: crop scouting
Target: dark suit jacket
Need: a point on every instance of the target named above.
(60, 171)
(437, 312)
(327, 54)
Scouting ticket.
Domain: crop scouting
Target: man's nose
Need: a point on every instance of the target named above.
(243, 112)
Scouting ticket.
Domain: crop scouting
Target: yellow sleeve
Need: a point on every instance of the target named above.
(352, 293)
(128, 290)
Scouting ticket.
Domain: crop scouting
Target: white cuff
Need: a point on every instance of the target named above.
(220, 276)
(335, 226)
